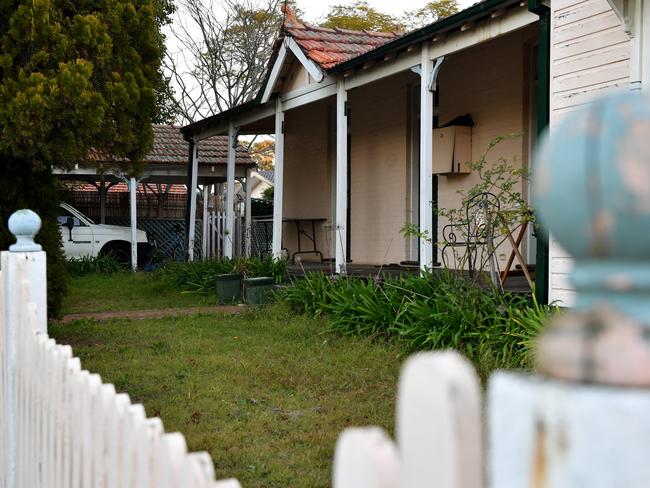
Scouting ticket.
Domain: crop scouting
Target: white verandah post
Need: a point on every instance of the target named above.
(213, 223)
(102, 200)
(426, 160)
(228, 245)
(204, 234)
(341, 177)
(192, 195)
(249, 226)
(279, 186)
(133, 188)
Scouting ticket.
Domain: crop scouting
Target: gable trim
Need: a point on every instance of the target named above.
(315, 72)
(275, 72)
(289, 44)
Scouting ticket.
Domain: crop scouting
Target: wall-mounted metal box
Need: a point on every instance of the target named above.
(452, 150)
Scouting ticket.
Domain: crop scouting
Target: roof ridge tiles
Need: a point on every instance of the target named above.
(312, 27)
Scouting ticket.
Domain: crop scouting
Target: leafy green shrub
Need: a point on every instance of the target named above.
(256, 267)
(530, 322)
(28, 185)
(435, 311)
(310, 295)
(199, 276)
(195, 276)
(86, 265)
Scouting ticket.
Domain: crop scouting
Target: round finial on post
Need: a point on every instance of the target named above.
(591, 191)
(24, 225)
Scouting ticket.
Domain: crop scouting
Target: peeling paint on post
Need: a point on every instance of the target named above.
(594, 195)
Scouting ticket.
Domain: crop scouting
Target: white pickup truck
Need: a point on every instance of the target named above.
(83, 237)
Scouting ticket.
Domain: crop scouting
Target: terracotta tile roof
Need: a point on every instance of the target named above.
(169, 147)
(329, 47)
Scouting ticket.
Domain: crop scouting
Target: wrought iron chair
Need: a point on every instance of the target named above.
(475, 233)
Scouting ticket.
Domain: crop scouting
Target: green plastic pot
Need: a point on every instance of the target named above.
(257, 290)
(228, 288)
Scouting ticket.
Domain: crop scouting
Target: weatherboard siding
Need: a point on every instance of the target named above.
(590, 54)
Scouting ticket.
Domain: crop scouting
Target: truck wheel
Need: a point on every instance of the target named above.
(121, 251)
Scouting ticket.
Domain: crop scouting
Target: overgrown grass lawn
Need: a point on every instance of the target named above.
(126, 291)
(265, 392)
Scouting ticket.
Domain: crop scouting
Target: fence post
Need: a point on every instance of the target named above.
(25, 262)
(584, 419)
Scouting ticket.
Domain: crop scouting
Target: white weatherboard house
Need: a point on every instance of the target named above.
(355, 116)
(596, 46)
(354, 112)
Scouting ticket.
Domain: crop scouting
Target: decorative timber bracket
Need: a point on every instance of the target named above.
(627, 12)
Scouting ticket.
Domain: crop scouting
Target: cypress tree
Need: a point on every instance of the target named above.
(75, 75)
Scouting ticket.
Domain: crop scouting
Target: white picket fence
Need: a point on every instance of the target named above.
(60, 426)
(214, 235)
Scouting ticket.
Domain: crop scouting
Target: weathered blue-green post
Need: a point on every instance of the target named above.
(592, 189)
(584, 421)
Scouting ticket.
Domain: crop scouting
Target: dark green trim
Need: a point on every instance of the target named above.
(543, 112)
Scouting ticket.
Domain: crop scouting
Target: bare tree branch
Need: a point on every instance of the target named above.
(224, 50)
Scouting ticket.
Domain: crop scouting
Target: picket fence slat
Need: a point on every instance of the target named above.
(438, 422)
(230, 483)
(60, 426)
(366, 458)
(438, 432)
(3, 375)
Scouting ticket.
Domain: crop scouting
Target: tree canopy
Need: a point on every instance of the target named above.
(79, 75)
(359, 15)
(222, 53)
(75, 76)
(431, 12)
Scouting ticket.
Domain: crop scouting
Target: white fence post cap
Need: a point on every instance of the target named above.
(24, 224)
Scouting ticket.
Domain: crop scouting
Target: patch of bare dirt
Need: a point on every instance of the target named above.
(148, 314)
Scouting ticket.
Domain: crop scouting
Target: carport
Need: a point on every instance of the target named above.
(167, 163)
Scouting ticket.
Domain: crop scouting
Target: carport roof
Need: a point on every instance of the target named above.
(169, 147)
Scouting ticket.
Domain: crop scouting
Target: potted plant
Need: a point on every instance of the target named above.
(261, 277)
(228, 285)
